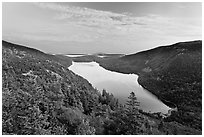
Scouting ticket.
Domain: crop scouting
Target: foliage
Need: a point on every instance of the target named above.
(41, 96)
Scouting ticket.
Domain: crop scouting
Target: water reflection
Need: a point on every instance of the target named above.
(120, 85)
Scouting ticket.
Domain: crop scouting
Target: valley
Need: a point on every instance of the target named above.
(173, 73)
(40, 95)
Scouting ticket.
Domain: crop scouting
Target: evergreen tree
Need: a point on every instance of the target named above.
(132, 104)
(134, 118)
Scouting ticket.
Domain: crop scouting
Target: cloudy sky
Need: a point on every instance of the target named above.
(100, 27)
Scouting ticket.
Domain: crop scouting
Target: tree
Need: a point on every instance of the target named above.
(127, 119)
(132, 104)
(134, 118)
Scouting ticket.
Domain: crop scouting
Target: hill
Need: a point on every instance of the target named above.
(40, 95)
(66, 61)
(154, 59)
(173, 73)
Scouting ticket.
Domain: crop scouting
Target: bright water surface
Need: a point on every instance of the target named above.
(70, 55)
(120, 85)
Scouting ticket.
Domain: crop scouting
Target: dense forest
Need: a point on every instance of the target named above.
(180, 82)
(41, 96)
(173, 73)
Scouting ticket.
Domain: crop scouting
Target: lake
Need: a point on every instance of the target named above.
(75, 55)
(119, 84)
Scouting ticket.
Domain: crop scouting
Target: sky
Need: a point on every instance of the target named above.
(108, 27)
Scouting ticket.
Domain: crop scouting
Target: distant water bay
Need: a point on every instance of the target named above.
(120, 85)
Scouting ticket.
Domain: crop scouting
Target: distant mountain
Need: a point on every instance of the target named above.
(150, 60)
(98, 57)
(173, 73)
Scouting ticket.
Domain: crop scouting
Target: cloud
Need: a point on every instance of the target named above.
(124, 22)
(95, 17)
(68, 23)
(55, 38)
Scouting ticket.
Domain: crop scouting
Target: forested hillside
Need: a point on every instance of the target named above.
(173, 73)
(41, 96)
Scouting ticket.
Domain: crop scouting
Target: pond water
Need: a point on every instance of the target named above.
(120, 85)
(75, 55)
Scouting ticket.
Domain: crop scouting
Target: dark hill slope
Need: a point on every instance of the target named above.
(66, 61)
(161, 57)
(154, 59)
(41, 96)
(173, 73)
